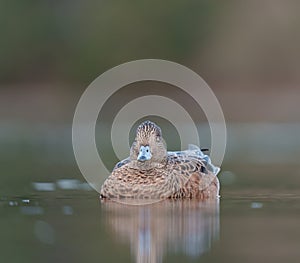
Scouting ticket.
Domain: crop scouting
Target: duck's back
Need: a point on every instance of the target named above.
(197, 175)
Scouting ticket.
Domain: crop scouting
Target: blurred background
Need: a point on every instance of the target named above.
(50, 51)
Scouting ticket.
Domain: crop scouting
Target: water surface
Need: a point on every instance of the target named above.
(48, 213)
(76, 226)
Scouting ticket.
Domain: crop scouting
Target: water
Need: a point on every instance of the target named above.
(77, 227)
(48, 213)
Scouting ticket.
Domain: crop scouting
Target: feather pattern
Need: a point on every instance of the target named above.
(182, 174)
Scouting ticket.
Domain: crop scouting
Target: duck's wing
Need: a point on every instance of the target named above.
(128, 183)
(195, 150)
(121, 163)
(193, 165)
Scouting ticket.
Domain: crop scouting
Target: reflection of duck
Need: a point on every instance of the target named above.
(181, 226)
(153, 173)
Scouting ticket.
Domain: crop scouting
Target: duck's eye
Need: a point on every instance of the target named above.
(147, 150)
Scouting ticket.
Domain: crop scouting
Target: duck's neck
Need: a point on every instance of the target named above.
(147, 165)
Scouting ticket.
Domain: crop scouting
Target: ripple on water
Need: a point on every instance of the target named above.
(44, 186)
(63, 184)
(67, 210)
(32, 210)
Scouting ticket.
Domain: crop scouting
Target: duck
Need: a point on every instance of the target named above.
(151, 172)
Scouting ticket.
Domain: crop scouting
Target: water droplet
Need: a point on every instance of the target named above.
(256, 205)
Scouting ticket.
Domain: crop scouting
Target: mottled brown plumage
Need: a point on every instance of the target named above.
(162, 175)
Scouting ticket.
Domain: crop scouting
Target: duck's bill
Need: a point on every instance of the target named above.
(144, 154)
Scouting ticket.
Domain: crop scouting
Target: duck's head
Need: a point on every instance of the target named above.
(148, 147)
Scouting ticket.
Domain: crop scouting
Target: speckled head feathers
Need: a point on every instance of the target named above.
(148, 129)
(149, 134)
